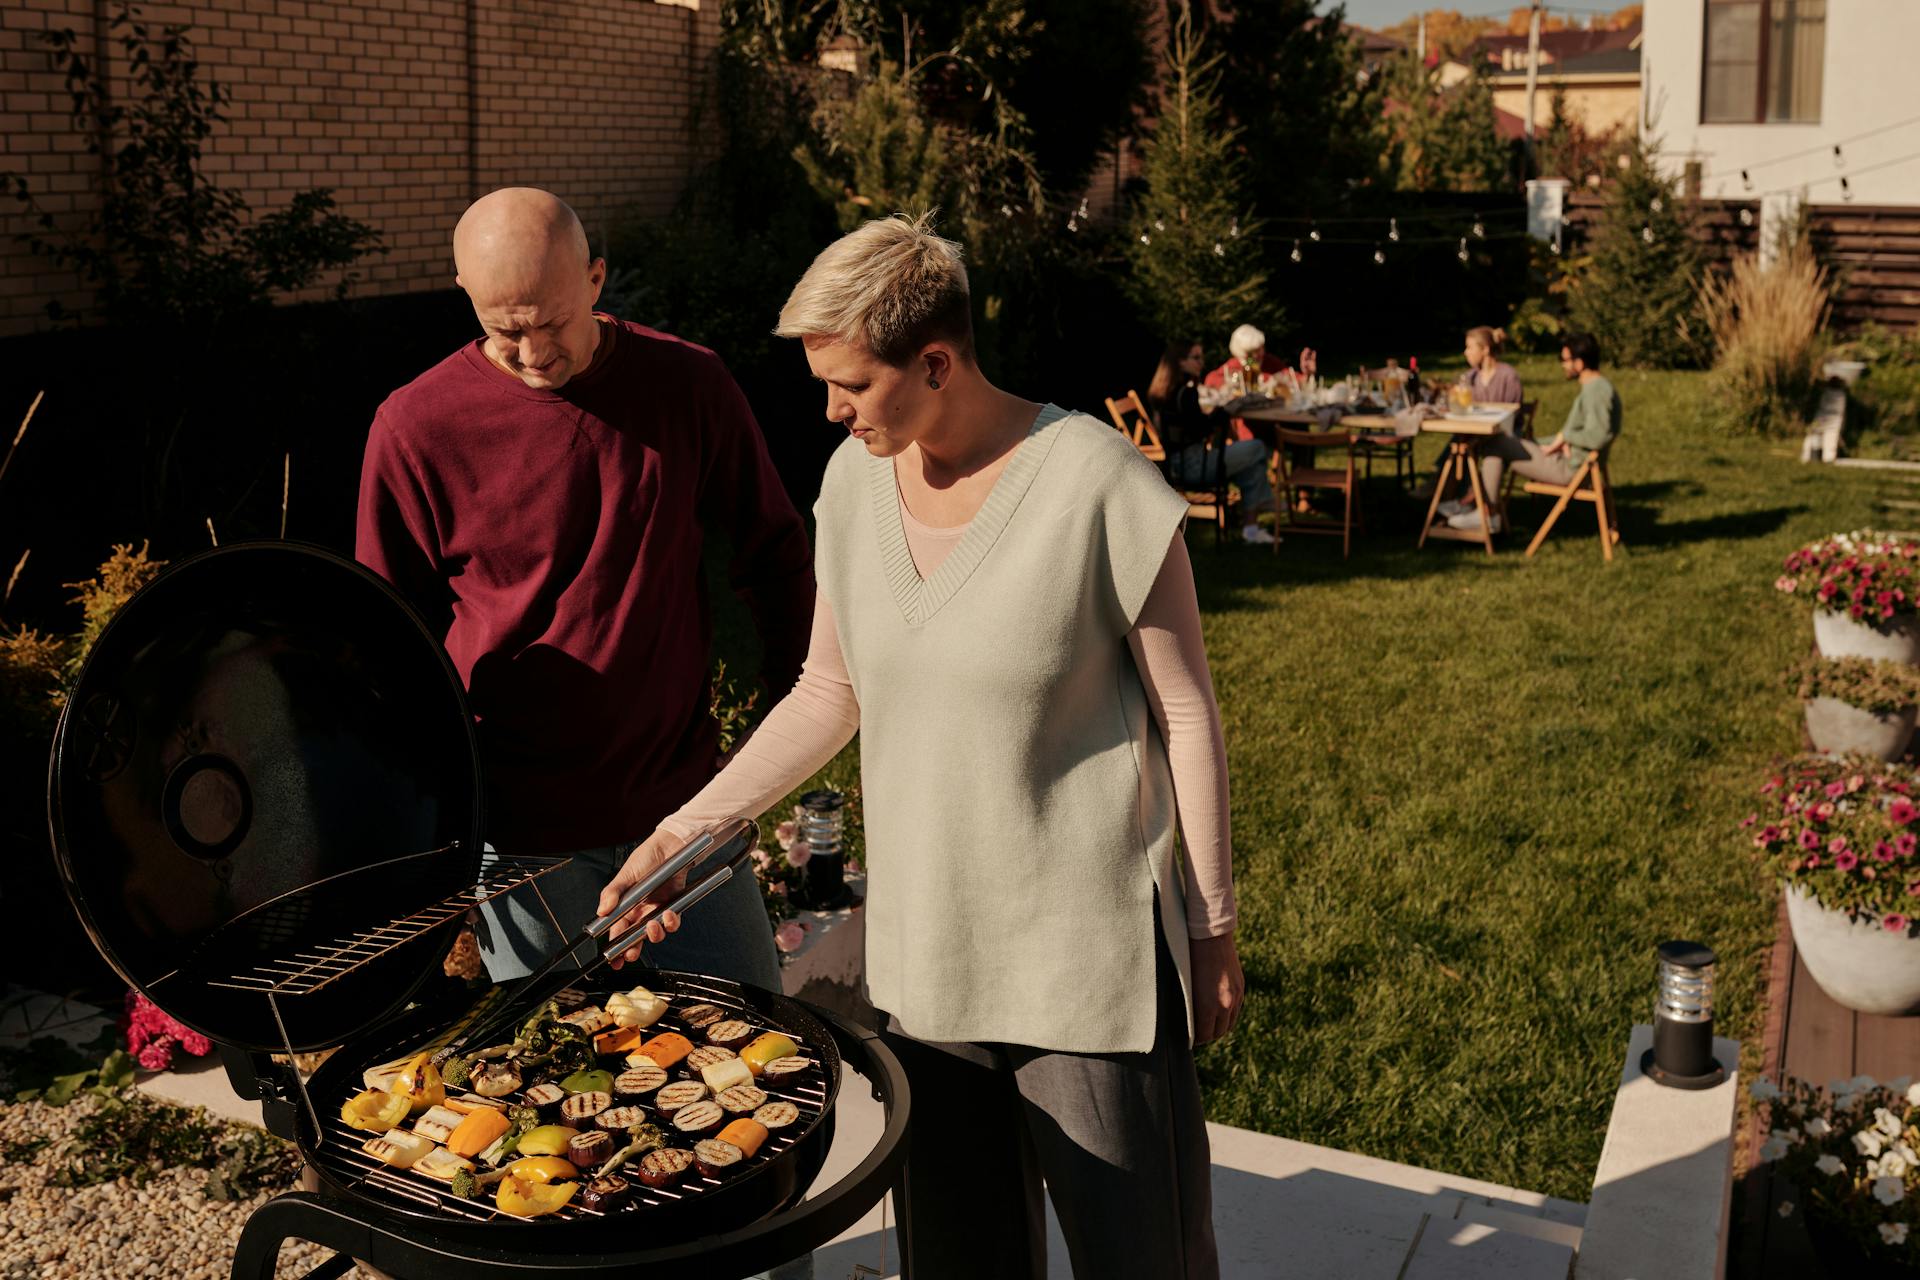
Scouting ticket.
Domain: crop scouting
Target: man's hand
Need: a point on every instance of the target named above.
(650, 853)
(1218, 987)
(1557, 445)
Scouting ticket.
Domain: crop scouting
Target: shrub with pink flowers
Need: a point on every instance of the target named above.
(1850, 1152)
(1871, 577)
(152, 1036)
(1845, 831)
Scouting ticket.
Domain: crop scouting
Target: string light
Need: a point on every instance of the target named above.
(1838, 159)
(1219, 250)
(1005, 212)
(1746, 180)
(1072, 225)
(1145, 238)
(1479, 229)
(1295, 255)
(1555, 243)
(1313, 234)
(1658, 204)
(1081, 212)
(1159, 225)
(1846, 192)
(1646, 233)
(1746, 217)
(1393, 230)
(1379, 256)
(1233, 228)
(1462, 255)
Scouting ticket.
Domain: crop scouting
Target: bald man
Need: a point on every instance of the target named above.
(541, 494)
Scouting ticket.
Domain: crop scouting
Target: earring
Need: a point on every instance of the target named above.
(933, 384)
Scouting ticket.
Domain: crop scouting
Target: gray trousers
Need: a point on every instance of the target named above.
(727, 935)
(1529, 458)
(1119, 1138)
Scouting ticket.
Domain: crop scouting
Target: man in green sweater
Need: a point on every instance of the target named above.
(1591, 425)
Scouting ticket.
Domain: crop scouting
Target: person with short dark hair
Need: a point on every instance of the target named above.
(1591, 425)
(1194, 455)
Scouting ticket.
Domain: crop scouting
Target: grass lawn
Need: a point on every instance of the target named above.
(1471, 795)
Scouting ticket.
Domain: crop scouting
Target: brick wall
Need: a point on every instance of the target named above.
(406, 108)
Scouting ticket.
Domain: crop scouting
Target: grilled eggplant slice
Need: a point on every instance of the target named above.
(621, 1117)
(590, 1019)
(606, 1193)
(716, 1158)
(777, 1115)
(697, 1016)
(640, 1080)
(665, 1167)
(699, 1117)
(705, 1056)
(784, 1073)
(398, 1148)
(581, 1107)
(494, 1079)
(677, 1095)
(590, 1149)
(741, 1099)
(730, 1034)
(545, 1095)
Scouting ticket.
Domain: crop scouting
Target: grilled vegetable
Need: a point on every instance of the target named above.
(641, 1139)
(590, 1019)
(699, 1117)
(678, 1095)
(495, 1079)
(532, 1199)
(621, 1117)
(468, 1103)
(640, 1080)
(618, 1040)
(545, 1095)
(547, 1140)
(442, 1164)
(636, 1008)
(783, 1073)
(730, 1034)
(438, 1123)
(664, 1167)
(777, 1115)
(467, 1184)
(588, 1082)
(748, 1135)
(666, 1048)
(582, 1107)
(768, 1048)
(375, 1111)
(717, 1158)
(419, 1083)
(397, 1148)
(741, 1099)
(482, 1127)
(605, 1193)
(589, 1149)
(705, 1056)
(700, 1015)
(543, 1169)
(725, 1075)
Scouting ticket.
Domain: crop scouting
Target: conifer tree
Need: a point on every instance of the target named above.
(878, 154)
(1192, 245)
(1636, 287)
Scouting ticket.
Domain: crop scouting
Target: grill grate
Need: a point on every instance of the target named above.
(339, 1150)
(306, 971)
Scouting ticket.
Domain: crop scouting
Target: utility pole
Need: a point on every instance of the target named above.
(1423, 37)
(1533, 73)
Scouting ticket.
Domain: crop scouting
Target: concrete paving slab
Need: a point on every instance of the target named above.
(26, 1016)
(200, 1082)
(1520, 1223)
(1457, 1250)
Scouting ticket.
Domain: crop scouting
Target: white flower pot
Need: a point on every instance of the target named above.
(1839, 729)
(1860, 965)
(1839, 636)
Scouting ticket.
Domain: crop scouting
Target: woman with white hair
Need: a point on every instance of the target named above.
(1249, 357)
(1007, 617)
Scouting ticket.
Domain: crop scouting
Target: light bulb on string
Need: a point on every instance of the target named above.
(1219, 250)
(1005, 212)
(1379, 256)
(1746, 180)
(1081, 212)
(1295, 255)
(1393, 230)
(1313, 234)
(1145, 238)
(1657, 204)
(1158, 225)
(1746, 217)
(1846, 192)
(1839, 160)
(1233, 229)
(1462, 254)
(1479, 229)
(1554, 244)
(1072, 225)
(1646, 234)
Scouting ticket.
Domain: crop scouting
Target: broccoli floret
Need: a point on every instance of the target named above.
(457, 1073)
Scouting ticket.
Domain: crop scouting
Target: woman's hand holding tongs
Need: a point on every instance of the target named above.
(646, 856)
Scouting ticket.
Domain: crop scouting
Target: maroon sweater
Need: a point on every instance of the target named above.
(563, 531)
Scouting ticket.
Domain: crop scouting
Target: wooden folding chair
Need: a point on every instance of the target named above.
(1523, 429)
(1208, 502)
(1342, 479)
(1591, 483)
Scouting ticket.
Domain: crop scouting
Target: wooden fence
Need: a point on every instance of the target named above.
(1718, 224)
(1874, 253)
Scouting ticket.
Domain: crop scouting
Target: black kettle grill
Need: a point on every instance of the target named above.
(265, 805)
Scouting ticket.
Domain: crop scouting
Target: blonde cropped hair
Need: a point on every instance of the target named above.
(891, 286)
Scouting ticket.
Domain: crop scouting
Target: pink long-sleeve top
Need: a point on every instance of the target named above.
(811, 724)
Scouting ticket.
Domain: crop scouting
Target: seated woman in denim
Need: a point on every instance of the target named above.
(1194, 456)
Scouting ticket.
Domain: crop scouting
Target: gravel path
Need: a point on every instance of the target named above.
(164, 1229)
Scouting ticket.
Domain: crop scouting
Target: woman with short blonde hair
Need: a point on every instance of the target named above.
(1007, 617)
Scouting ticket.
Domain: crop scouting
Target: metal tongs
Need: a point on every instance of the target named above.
(723, 848)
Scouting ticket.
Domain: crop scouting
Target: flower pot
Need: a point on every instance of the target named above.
(1861, 965)
(1844, 1259)
(1839, 729)
(1839, 636)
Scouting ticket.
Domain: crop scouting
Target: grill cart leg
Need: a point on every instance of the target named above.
(297, 1215)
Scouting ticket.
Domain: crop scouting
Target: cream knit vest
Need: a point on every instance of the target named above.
(1019, 807)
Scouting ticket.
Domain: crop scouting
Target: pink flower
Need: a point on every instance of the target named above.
(1913, 890)
(1784, 583)
(1883, 851)
(1824, 811)
(798, 853)
(1847, 860)
(1749, 820)
(1894, 923)
(1809, 839)
(1836, 789)
(784, 834)
(761, 858)
(1901, 812)
(1813, 861)
(789, 936)
(1837, 845)
(1905, 842)
(1768, 835)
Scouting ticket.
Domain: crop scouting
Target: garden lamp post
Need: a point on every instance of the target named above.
(1682, 1053)
(823, 826)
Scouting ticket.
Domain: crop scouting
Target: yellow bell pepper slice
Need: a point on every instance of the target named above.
(547, 1140)
(420, 1084)
(544, 1169)
(531, 1199)
(375, 1111)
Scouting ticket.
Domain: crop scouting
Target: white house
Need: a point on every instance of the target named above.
(1751, 97)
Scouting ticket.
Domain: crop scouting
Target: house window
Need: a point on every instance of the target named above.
(1763, 61)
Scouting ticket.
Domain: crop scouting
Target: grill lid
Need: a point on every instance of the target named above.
(265, 750)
